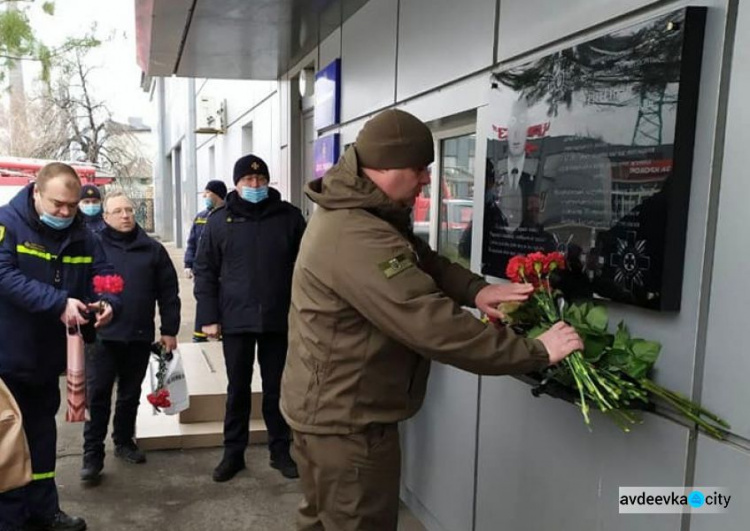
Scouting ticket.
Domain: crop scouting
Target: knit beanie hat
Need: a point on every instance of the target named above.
(394, 139)
(90, 191)
(217, 187)
(249, 165)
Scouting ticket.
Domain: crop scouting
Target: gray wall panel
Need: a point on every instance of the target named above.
(528, 24)
(330, 49)
(368, 59)
(725, 388)
(721, 465)
(442, 40)
(438, 447)
(539, 468)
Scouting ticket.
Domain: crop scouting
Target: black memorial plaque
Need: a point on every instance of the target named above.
(590, 153)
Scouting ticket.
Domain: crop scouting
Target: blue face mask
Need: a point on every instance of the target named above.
(254, 195)
(208, 203)
(91, 209)
(54, 222)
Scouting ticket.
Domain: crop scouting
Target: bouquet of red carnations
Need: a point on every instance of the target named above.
(159, 397)
(611, 373)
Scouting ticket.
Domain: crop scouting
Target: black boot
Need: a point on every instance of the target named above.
(59, 522)
(92, 467)
(228, 468)
(283, 462)
(130, 453)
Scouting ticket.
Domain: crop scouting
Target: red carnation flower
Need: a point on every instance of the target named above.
(159, 398)
(535, 262)
(516, 269)
(108, 284)
(554, 261)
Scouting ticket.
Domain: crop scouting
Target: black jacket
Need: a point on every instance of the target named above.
(243, 268)
(150, 277)
(195, 236)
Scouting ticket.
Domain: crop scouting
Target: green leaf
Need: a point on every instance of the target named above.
(597, 318)
(593, 346)
(622, 336)
(637, 368)
(49, 8)
(574, 315)
(614, 358)
(646, 351)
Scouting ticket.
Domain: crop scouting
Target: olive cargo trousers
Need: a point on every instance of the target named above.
(349, 482)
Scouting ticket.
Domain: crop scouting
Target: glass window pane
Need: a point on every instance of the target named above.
(456, 198)
(421, 214)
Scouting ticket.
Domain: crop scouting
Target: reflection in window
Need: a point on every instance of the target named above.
(456, 198)
(421, 214)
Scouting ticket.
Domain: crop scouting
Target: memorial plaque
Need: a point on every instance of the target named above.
(590, 153)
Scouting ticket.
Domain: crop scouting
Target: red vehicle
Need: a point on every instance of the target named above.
(15, 173)
(21, 171)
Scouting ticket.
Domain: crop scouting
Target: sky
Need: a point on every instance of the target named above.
(117, 77)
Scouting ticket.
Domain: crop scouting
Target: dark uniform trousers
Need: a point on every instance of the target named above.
(37, 500)
(239, 356)
(349, 482)
(113, 361)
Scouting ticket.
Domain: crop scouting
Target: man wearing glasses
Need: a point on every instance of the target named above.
(122, 349)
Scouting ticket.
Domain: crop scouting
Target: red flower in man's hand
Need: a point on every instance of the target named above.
(516, 269)
(108, 284)
(159, 398)
(554, 261)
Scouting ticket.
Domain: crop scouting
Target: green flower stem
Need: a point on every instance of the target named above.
(584, 373)
(583, 405)
(687, 403)
(688, 409)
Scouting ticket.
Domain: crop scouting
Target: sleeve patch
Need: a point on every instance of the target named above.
(396, 265)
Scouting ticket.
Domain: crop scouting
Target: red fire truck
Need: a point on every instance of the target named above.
(15, 173)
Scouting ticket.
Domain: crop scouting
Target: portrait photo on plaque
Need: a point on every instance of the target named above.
(589, 152)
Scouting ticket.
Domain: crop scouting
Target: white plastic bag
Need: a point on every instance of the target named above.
(174, 381)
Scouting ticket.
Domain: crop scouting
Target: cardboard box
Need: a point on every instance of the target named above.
(206, 376)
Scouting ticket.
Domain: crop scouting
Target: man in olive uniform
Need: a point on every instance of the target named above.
(371, 306)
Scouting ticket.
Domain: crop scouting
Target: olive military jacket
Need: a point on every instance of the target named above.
(371, 306)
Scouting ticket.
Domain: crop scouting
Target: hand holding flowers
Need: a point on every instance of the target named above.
(609, 370)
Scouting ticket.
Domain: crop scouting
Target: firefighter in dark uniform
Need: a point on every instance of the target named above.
(47, 263)
(213, 196)
(91, 207)
(251, 244)
(122, 352)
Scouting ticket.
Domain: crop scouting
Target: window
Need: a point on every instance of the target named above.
(456, 185)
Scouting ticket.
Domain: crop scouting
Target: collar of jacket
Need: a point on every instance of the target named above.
(23, 204)
(134, 238)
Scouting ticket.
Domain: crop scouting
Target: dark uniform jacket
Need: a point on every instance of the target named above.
(40, 268)
(150, 277)
(195, 236)
(94, 223)
(372, 304)
(243, 270)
